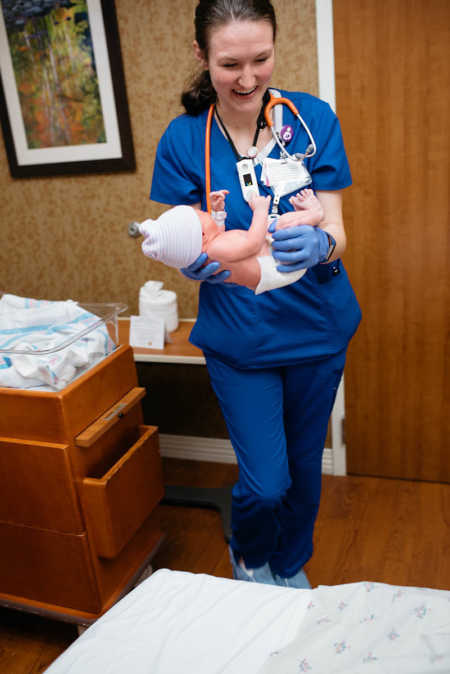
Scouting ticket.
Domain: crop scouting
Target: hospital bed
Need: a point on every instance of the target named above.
(177, 622)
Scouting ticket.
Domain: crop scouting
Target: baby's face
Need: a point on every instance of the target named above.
(210, 228)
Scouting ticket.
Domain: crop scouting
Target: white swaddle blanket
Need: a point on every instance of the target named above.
(29, 325)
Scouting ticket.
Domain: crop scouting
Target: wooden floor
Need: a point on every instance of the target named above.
(382, 530)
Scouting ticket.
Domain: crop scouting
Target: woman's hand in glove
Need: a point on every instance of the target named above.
(299, 247)
(197, 272)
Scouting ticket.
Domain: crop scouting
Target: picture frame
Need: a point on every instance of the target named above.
(63, 101)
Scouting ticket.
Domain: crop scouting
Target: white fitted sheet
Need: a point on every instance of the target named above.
(178, 622)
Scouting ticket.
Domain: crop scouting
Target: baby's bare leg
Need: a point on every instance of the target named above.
(306, 200)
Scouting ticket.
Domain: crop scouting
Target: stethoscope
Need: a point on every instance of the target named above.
(274, 100)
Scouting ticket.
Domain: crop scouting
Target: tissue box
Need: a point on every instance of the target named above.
(159, 303)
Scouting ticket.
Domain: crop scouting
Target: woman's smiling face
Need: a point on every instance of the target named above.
(240, 60)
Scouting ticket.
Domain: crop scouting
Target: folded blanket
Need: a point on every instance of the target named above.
(48, 344)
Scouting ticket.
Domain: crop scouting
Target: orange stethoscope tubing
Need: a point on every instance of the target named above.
(272, 102)
(208, 157)
(275, 101)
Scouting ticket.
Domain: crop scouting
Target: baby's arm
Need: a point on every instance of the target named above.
(258, 228)
(218, 200)
(218, 207)
(238, 244)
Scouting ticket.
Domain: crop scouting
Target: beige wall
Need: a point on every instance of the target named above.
(66, 237)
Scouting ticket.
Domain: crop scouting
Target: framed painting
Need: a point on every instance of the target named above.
(63, 103)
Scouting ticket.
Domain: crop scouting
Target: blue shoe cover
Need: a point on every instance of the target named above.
(300, 581)
(262, 574)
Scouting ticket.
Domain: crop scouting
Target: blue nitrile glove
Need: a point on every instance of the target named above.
(197, 272)
(273, 224)
(299, 247)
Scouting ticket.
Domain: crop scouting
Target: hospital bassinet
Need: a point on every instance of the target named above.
(80, 477)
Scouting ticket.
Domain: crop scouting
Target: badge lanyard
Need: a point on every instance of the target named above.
(283, 175)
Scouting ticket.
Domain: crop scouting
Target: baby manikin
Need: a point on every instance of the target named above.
(182, 233)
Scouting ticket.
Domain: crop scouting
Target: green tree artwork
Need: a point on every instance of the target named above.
(55, 71)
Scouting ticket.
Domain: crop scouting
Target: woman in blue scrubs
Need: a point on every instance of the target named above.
(275, 360)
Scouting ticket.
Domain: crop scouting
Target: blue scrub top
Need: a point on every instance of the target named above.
(312, 318)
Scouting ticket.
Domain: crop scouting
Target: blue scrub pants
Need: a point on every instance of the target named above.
(277, 419)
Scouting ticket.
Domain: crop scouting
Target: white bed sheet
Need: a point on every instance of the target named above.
(176, 622)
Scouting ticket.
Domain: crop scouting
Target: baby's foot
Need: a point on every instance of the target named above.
(304, 199)
(307, 202)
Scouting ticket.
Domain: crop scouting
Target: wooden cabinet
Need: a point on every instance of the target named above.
(80, 478)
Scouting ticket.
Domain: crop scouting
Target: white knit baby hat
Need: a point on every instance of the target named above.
(175, 238)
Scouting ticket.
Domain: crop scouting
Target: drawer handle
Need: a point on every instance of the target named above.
(112, 416)
(117, 412)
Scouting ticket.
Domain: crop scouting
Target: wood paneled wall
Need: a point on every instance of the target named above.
(66, 237)
(392, 86)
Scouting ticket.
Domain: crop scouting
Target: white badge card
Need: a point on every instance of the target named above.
(285, 175)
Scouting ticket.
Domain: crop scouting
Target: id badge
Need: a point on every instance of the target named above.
(285, 175)
(247, 179)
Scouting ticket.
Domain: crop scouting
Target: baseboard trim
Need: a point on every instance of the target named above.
(192, 447)
(217, 450)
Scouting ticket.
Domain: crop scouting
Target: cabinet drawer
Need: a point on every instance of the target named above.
(47, 566)
(105, 441)
(110, 418)
(117, 503)
(60, 415)
(37, 487)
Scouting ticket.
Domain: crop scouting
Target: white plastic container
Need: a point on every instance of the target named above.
(103, 314)
(46, 345)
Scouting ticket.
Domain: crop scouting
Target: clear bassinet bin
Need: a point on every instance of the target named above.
(56, 333)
